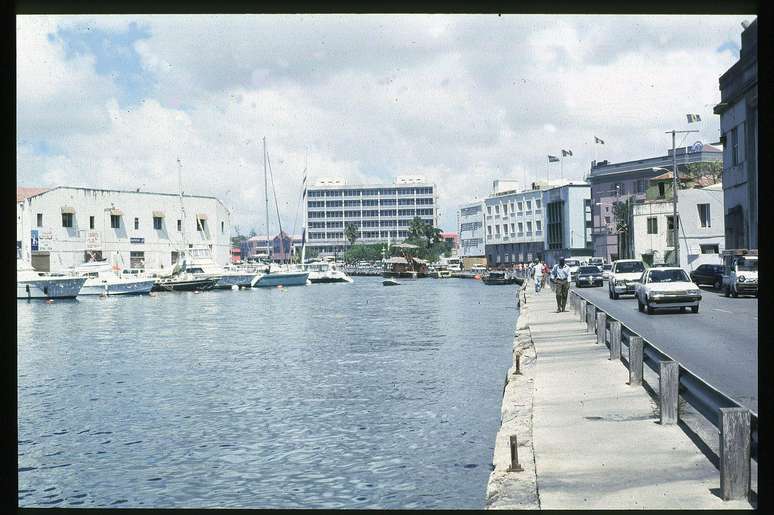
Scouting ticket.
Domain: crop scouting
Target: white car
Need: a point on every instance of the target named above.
(624, 275)
(574, 264)
(667, 288)
(606, 272)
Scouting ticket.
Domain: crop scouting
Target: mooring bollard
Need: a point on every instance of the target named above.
(517, 362)
(590, 315)
(515, 467)
(615, 339)
(635, 361)
(668, 382)
(734, 453)
(601, 327)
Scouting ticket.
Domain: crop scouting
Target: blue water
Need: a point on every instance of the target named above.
(330, 395)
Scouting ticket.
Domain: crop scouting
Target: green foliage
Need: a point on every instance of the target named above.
(713, 169)
(361, 252)
(351, 233)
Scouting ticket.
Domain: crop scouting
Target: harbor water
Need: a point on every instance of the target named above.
(322, 396)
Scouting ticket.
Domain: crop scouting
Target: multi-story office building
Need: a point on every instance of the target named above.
(567, 222)
(515, 227)
(471, 230)
(738, 110)
(379, 212)
(619, 182)
(65, 226)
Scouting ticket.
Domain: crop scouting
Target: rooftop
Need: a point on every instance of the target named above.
(23, 193)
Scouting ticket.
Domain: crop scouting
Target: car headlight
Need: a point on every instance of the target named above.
(741, 279)
(694, 292)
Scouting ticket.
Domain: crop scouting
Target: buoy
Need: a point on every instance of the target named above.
(235, 287)
(196, 292)
(279, 286)
(50, 301)
(477, 277)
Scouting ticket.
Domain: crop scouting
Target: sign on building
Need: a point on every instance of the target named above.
(34, 240)
(45, 237)
(136, 240)
(93, 240)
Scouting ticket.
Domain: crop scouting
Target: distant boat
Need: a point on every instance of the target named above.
(103, 279)
(497, 277)
(325, 272)
(183, 282)
(390, 282)
(202, 265)
(32, 284)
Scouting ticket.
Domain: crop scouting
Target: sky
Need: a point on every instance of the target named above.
(113, 101)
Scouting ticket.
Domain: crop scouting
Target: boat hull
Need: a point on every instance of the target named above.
(186, 285)
(240, 280)
(118, 288)
(53, 288)
(282, 279)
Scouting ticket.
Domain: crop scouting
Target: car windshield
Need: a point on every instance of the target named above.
(667, 276)
(572, 262)
(747, 265)
(608, 267)
(588, 270)
(629, 267)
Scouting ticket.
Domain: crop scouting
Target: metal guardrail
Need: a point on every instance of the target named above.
(715, 406)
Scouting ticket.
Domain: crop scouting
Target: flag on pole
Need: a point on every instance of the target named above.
(303, 183)
(693, 118)
(552, 159)
(566, 153)
(597, 140)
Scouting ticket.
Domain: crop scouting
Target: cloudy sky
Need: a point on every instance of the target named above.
(113, 101)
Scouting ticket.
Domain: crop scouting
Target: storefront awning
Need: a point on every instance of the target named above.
(158, 214)
(68, 210)
(116, 212)
(201, 216)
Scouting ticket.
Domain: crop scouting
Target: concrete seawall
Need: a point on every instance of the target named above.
(586, 439)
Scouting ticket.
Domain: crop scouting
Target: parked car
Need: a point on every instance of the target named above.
(597, 261)
(589, 275)
(606, 271)
(708, 274)
(667, 288)
(740, 273)
(574, 264)
(624, 275)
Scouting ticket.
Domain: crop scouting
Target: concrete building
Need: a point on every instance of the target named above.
(66, 226)
(700, 228)
(281, 248)
(567, 222)
(515, 227)
(627, 181)
(452, 239)
(471, 230)
(380, 212)
(738, 110)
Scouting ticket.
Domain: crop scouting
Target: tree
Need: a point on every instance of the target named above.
(352, 233)
(361, 252)
(712, 169)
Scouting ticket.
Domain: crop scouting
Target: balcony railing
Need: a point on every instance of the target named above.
(520, 234)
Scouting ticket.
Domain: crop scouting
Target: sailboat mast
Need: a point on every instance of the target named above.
(303, 201)
(266, 195)
(182, 205)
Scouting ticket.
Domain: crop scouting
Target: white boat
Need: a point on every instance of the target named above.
(326, 272)
(283, 278)
(201, 265)
(32, 284)
(104, 279)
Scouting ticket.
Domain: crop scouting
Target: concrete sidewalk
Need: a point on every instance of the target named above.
(586, 438)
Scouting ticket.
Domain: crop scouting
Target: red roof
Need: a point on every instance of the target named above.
(23, 193)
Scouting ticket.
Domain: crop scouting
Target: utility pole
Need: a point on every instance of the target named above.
(675, 233)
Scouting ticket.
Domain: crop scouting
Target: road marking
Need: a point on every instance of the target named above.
(723, 310)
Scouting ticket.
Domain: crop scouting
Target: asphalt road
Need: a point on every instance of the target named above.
(719, 343)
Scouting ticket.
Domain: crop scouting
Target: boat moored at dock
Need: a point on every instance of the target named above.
(104, 279)
(32, 284)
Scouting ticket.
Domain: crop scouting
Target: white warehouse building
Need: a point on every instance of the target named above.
(65, 226)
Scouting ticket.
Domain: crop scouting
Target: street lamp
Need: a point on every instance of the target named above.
(674, 208)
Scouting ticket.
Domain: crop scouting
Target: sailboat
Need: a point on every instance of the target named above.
(277, 276)
(181, 279)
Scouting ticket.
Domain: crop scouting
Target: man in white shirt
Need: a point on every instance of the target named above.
(561, 276)
(538, 267)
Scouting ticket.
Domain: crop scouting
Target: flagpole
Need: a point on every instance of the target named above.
(561, 166)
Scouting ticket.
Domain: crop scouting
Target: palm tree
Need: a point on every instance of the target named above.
(416, 228)
(351, 233)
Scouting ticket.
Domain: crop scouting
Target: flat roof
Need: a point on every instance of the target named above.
(114, 191)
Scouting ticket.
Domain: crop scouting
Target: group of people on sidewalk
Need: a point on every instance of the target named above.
(560, 277)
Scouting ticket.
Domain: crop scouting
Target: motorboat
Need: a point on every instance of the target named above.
(201, 265)
(496, 277)
(280, 276)
(326, 272)
(390, 282)
(33, 284)
(183, 282)
(104, 279)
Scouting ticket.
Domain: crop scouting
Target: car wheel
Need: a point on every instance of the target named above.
(694, 309)
(682, 308)
(718, 283)
(640, 307)
(648, 307)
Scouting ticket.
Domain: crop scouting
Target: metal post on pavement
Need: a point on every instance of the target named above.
(591, 311)
(668, 382)
(635, 361)
(515, 467)
(615, 339)
(601, 327)
(734, 453)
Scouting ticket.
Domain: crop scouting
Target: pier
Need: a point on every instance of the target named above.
(578, 431)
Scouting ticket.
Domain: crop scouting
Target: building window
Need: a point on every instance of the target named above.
(489, 210)
(709, 249)
(137, 259)
(521, 227)
(704, 215)
(640, 185)
(497, 210)
(91, 222)
(735, 146)
(554, 225)
(505, 209)
(200, 225)
(115, 221)
(489, 230)
(607, 219)
(653, 225)
(661, 190)
(40, 219)
(136, 223)
(537, 203)
(67, 219)
(222, 227)
(537, 225)
(529, 205)
(529, 227)
(179, 225)
(157, 223)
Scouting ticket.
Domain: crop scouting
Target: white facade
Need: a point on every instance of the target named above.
(380, 212)
(701, 228)
(515, 217)
(61, 227)
(568, 221)
(471, 229)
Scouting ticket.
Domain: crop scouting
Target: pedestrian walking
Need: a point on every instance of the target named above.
(561, 276)
(539, 278)
(545, 274)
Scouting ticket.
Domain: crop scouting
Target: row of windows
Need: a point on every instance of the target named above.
(467, 211)
(370, 192)
(472, 242)
(538, 227)
(518, 205)
(470, 226)
(115, 222)
(363, 234)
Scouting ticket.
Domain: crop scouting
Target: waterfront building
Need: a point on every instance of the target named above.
(514, 227)
(738, 110)
(700, 223)
(612, 183)
(379, 212)
(567, 215)
(66, 226)
(470, 218)
(453, 239)
(280, 248)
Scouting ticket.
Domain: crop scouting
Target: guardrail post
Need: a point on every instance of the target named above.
(590, 313)
(574, 302)
(515, 467)
(601, 327)
(582, 310)
(734, 453)
(615, 339)
(635, 361)
(667, 391)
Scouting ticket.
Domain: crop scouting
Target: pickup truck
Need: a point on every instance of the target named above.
(740, 272)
